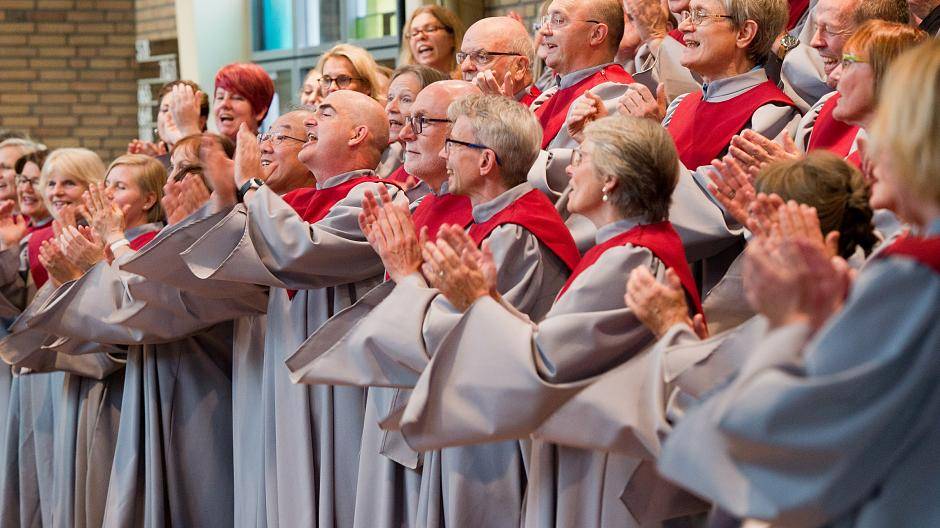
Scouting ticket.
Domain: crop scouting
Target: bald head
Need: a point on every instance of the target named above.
(364, 111)
(501, 34)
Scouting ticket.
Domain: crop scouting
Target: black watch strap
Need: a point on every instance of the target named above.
(253, 183)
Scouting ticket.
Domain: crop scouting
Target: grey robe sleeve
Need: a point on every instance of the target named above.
(805, 441)
(13, 287)
(269, 243)
(99, 307)
(391, 345)
(669, 71)
(610, 93)
(802, 72)
(494, 357)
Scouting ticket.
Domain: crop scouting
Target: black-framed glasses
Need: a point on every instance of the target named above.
(697, 16)
(21, 179)
(342, 81)
(419, 122)
(558, 20)
(450, 141)
(483, 57)
(276, 138)
(424, 31)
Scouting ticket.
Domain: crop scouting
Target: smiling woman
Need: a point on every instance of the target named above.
(66, 175)
(243, 93)
(431, 37)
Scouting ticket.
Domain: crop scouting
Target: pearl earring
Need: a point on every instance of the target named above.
(605, 197)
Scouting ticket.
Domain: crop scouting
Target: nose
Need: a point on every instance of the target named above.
(467, 65)
(267, 147)
(686, 25)
(817, 41)
(310, 122)
(836, 74)
(392, 106)
(407, 133)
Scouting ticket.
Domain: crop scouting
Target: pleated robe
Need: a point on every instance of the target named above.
(173, 455)
(839, 428)
(494, 357)
(387, 339)
(312, 434)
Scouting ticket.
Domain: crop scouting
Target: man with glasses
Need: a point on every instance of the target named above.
(580, 39)
(488, 151)
(280, 145)
(496, 54)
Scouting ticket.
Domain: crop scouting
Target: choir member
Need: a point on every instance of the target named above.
(497, 55)
(430, 37)
(406, 83)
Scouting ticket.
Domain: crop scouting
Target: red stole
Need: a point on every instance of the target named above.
(399, 176)
(142, 240)
(435, 211)
(534, 213)
(38, 236)
(703, 130)
(831, 134)
(314, 204)
(797, 8)
(677, 34)
(924, 250)
(662, 240)
(553, 113)
(531, 94)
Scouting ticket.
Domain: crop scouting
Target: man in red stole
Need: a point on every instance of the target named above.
(580, 40)
(496, 54)
(490, 148)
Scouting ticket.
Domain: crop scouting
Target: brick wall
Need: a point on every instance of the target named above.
(67, 72)
(156, 19)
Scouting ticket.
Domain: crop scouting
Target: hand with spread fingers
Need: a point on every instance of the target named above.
(660, 306)
(13, 228)
(762, 215)
(589, 107)
(58, 267)
(458, 269)
(146, 148)
(397, 241)
(247, 157)
(638, 101)
(799, 221)
(487, 82)
(102, 214)
(219, 171)
(184, 110)
(370, 209)
(754, 151)
(81, 247)
(732, 187)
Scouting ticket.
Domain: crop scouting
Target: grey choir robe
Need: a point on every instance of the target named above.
(494, 357)
(839, 428)
(312, 435)
(667, 69)
(802, 73)
(160, 261)
(173, 458)
(391, 160)
(387, 339)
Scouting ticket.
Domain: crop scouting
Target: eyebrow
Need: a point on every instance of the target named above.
(324, 106)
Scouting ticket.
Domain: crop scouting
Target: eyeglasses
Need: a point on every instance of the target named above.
(558, 21)
(342, 81)
(418, 123)
(426, 30)
(483, 57)
(276, 138)
(448, 142)
(576, 157)
(849, 59)
(23, 180)
(697, 16)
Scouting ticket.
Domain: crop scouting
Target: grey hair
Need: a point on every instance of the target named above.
(771, 18)
(641, 156)
(506, 127)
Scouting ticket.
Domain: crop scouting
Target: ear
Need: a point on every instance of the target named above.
(487, 162)
(521, 67)
(599, 35)
(359, 134)
(746, 34)
(150, 201)
(259, 117)
(610, 184)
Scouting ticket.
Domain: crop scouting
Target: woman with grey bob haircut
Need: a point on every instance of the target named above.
(506, 127)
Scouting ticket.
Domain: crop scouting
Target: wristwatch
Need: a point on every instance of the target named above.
(787, 43)
(252, 184)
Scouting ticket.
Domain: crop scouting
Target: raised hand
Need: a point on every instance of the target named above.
(640, 102)
(462, 276)
(589, 107)
(658, 306)
(12, 230)
(370, 209)
(247, 157)
(487, 82)
(649, 18)
(396, 240)
(184, 109)
(762, 215)
(59, 268)
(755, 151)
(219, 171)
(146, 148)
(104, 216)
(732, 187)
(83, 250)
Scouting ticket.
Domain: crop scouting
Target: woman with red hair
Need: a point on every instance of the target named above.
(243, 93)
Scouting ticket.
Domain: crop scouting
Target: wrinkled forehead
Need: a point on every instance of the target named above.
(432, 102)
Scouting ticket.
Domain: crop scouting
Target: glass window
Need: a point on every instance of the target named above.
(275, 25)
(322, 21)
(373, 18)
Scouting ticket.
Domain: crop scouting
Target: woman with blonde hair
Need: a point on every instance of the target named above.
(310, 93)
(833, 417)
(431, 37)
(348, 67)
